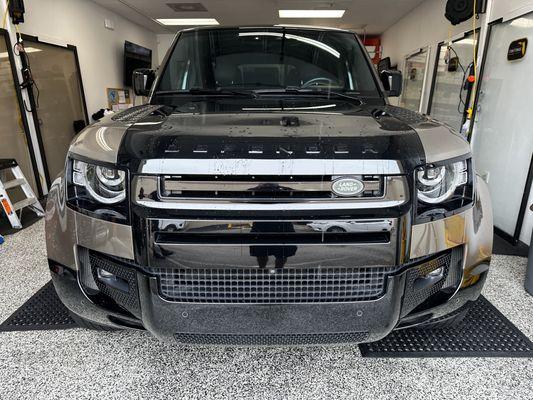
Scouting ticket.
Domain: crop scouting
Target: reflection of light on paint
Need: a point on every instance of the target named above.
(289, 108)
(100, 139)
(276, 34)
(302, 39)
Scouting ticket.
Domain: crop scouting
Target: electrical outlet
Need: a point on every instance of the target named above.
(109, 24)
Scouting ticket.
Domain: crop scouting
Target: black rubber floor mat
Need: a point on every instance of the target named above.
(42, 311)
(485, 332)
(503, 247)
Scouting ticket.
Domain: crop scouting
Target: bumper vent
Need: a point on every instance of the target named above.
(283, 285)
(451, 264)
(271, 340)
(128, 298)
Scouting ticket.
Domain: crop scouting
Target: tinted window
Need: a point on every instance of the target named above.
(268, 58)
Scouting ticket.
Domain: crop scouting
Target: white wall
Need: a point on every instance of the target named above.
(163, 44)
(423, 26)
(504, 8)
(100, 51)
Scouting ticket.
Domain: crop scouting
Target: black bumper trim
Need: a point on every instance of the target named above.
(336, 320)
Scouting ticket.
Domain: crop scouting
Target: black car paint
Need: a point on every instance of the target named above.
(376, 131)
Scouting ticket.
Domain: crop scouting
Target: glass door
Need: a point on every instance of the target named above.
(503, 132)
(58, 98)
(414, 77)
(448, 100)
(13, 139)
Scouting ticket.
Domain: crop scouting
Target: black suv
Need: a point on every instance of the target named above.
(268, 194)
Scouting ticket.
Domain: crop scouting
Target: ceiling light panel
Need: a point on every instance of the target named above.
(311, 13)
(187, 21)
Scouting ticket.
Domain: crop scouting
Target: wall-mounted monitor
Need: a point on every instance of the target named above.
(135, 57)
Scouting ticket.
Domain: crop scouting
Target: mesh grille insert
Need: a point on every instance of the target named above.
(271, 340)
(286, 285)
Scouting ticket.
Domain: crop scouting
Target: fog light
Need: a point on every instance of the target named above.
(103, 274)
(428, 280)
(112, 280)
(439, 272)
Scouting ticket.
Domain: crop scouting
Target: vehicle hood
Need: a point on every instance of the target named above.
(266, 129)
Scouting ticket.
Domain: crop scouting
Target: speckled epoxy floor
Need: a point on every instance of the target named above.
(79, 364)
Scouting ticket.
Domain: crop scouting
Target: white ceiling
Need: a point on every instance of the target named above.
(370, 16)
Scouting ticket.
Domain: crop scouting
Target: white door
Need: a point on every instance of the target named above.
(503, 133)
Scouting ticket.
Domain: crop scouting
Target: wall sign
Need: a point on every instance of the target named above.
(517, 49)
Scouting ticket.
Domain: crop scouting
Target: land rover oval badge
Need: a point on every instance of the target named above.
(347, 187)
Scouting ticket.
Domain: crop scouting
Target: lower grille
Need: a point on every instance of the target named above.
(129, 298)
(271, 340)
(283, 285)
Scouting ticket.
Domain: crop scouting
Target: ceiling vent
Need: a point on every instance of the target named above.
(187, 7)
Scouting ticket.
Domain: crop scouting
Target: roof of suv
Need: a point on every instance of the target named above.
(303, 27)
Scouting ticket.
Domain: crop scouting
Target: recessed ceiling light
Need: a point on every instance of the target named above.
(311, 13)
(187, 21)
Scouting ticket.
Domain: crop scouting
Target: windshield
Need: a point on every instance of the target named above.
(275, 58)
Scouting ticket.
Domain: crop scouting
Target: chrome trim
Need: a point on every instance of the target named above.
(145, 192)
(244, 167)
(104, 236)
(318, 205)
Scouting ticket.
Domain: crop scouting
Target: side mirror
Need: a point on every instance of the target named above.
(392, 82)
(143, 79)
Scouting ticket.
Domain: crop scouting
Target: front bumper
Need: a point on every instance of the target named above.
(296, 323)
(269, 324)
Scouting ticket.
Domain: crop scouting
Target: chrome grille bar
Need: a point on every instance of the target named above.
(281, 167)
(147, 192)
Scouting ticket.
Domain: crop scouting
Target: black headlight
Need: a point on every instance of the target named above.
(98, 190)
(443, 189)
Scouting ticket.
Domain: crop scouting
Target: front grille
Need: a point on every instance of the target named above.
(263, 188)
(271, 340)
(282, 285)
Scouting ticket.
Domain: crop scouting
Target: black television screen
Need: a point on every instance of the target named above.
(135, 57)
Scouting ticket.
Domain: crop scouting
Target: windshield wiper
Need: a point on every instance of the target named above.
(206, 92)
(309, 92)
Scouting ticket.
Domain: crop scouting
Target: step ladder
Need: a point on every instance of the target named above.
(19, 180)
